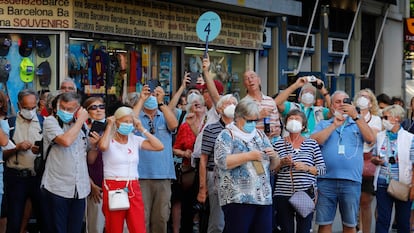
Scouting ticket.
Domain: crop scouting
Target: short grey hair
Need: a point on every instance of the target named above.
(246, 108)
(26, 92)
(69, 96)
(132, 99)
(224, 99)
(192, 98)
(395, 110)
(339, 92)
(68, 80)
(307, 86)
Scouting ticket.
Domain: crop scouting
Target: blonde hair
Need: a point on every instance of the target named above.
(374, 110)
(123, 111)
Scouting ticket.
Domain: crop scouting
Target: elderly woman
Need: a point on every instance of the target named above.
(300, 162)
(120, 155)
(395, 156)
(366, 101)
(244, 158)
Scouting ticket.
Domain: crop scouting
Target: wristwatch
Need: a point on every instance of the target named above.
(357, 117)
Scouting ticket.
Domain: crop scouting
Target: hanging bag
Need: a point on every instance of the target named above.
(398, 190)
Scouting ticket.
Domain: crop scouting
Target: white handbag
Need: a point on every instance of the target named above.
(118, 199)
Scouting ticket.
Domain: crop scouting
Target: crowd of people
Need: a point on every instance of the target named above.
(206, 161)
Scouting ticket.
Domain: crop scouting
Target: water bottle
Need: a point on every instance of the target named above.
(266, 122)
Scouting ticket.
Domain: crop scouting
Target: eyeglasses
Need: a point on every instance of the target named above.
(96, 106)
(385, 117)
(151, 125)
(250, 121)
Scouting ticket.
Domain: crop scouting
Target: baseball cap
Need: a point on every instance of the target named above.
(219, 86)
(5, 68)
(43, 46)
(25, 45)
(5, 43)
(27, 70)
(43, 73)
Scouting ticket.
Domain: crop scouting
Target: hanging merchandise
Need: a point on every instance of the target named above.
(5, 68)
(43, 73)
(5, 43)
(25, 45)
(98, 60)
(43, 46)
(27, 70)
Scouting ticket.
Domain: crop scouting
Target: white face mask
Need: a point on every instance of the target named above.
(229, 111)
(307, 98)
(362, 102)
(387, 124)
(294, 126)
(28, 114)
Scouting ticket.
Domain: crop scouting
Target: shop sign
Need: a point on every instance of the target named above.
(409, 30)
(53, 14)
(164, 21)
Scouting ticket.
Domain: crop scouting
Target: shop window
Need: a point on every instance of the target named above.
(227, 66)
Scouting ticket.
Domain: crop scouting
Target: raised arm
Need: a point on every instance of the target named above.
(284, 95)
(144, 95)
(67, 138)
(172, 122)
(211, 87)
(176, 97)
(151, 143)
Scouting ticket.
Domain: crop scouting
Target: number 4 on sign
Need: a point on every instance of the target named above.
(208, 27)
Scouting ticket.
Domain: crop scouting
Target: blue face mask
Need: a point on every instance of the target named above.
(64, 116)
(151, 103)
(125, 128)
(249, 127)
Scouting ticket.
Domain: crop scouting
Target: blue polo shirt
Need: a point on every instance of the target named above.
(347, 165)
(156, 164)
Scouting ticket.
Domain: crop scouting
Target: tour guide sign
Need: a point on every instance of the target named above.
(153, 20)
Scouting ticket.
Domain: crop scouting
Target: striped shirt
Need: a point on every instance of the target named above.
(210, 134)
(268, 102)
(308, 153)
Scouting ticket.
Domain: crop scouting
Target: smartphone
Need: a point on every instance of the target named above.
(347, 101)
(98, 127)
(194, 77)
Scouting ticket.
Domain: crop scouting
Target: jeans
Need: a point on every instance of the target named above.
(286, 216)
(67, 214)
(19, 189)
(384, 210)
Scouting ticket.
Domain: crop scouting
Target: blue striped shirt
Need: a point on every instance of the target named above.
(308, 153)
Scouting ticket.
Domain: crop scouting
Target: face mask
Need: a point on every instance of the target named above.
(64, 116)
(151, 103)
(362, 102)
(28, 114)
(249, 127)
(387, 124)
(125, 128)
(229, 111)
(191, 97)
(307, 98)
(294, 126)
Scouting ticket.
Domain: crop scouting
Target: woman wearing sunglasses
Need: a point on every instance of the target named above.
(120, 157)
(395, 156)
(94, 216)
(244, 158)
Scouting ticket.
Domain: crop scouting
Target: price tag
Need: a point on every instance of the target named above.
(341, 150)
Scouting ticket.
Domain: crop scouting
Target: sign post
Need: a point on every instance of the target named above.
(208, 27)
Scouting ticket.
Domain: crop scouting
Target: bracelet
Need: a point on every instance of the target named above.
(143, 132)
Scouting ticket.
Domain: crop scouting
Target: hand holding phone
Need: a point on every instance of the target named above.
(98, 127)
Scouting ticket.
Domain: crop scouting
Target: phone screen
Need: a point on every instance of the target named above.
(98, 127)
(194, 77)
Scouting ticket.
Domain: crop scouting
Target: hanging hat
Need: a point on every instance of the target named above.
(43, 73)
(25, 45)
(27, 70)
(5, 43)
(43, 46)
(5, 68)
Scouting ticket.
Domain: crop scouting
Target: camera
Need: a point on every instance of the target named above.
(347, 101)
(391, 160)
(314, 81)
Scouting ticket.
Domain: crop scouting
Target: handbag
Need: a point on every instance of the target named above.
(300, 200)
(369, 168)
(398, 190)
(118, 199)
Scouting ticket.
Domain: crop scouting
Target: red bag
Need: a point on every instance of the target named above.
(369, 167)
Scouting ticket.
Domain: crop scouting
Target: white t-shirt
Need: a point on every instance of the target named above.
(121, 160)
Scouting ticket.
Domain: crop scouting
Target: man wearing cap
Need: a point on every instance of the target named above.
(66, 180)
(156, 168)
(21, 180)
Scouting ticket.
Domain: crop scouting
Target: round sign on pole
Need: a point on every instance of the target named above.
(208, 26)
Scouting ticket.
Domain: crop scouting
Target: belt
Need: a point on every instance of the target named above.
(20, 172)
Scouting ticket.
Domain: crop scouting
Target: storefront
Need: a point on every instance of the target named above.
(112, 48)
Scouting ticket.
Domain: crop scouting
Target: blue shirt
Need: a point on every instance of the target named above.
(347, 166)
(156, 164)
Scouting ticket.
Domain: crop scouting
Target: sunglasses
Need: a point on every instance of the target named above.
(151, 125)
(96, 106)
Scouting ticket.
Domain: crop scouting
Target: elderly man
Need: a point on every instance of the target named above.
(67, 85)
(66, 179)
(342, 140)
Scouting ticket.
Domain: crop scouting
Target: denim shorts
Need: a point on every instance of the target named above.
(332, 192)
